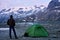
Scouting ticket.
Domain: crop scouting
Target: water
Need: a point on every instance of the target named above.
(4, 28)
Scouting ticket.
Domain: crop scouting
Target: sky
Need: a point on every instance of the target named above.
(22, 3)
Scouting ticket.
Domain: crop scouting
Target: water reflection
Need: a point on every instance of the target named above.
(4, 28)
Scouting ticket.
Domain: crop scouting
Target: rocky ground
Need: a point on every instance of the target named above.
(53, 30)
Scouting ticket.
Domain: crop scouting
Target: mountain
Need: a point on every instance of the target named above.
(20, 13)
(37, 14)
(53, 11)
(54, 4)
(2, 10)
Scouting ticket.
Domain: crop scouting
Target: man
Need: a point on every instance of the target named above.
(11, 23)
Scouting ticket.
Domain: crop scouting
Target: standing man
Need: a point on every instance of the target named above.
(11, 23)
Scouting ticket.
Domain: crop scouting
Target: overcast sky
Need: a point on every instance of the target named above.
(22, 3)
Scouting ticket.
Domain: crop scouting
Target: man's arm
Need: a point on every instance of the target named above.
(8, 22)
(14, 22)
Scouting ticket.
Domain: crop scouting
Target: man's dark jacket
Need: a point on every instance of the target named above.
(11, 22)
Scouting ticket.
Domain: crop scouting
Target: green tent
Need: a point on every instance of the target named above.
(36, 30)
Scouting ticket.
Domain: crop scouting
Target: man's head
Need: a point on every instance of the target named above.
(11, 16)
